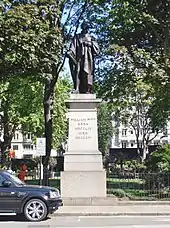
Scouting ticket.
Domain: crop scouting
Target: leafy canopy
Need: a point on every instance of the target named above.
(160, 160)
(105, 127)
(136, 49)
(29, 44)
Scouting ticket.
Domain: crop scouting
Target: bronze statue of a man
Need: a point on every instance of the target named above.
(81, 55)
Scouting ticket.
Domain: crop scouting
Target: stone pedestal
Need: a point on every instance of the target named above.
(83, 174)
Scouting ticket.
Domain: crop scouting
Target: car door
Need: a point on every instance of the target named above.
(7, 197)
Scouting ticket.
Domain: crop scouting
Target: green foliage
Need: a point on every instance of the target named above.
(33, 39)
(22, 108)
(29, 44)
(120, 193)
(135, 107)
(135, 49)
(159, 161)
(135, 166)
(28, 106)
(21, 105)
(59, 113)
(105, 127)
(134, 71)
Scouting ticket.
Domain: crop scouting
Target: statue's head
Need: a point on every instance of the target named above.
(85, 26)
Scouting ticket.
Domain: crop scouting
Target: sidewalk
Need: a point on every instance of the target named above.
(130, 210)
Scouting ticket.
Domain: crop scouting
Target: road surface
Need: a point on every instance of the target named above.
(89, 222)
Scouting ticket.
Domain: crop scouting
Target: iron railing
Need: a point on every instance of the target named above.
(140, 186)
(135, 186)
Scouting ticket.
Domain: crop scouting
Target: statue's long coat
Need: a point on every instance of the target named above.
(82, 58)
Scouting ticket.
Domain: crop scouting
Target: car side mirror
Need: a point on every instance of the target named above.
(6, 184)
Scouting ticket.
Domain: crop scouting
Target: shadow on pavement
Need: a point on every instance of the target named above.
(16, 218)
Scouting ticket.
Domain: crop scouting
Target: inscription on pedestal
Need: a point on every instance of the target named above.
(83, 128)
(83, 133)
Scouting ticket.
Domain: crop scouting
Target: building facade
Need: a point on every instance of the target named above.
(124, 137)
(23, 145)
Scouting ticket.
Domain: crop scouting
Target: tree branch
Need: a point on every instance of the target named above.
(62, 64)
(69, 13)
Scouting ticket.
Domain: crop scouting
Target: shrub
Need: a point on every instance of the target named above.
(118, 192)
(159, 161)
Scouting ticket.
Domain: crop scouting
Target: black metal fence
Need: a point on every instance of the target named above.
(139, 186)
(35, 175)
(135, 186)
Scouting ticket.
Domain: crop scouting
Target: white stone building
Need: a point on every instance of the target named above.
(124, 137)
(23, 146)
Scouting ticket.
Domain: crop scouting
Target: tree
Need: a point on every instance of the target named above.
(31, 45)
(135, 51)
(21, 108)
(34, 37)
(159, 160)
(134, 110)
(61, 94)
(158, 167)
(105, 128)
(134, 99)
(136, 40)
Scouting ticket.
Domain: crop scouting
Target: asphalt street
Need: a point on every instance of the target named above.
(89, 222)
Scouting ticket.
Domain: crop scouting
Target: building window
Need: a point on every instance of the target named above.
(125, 123)
(132, 143)
(15, 147)
(27, 136)
(16, 136)
(156, 142)
(28, 156)
(124, 144)
(131, 131)
(124, 132)
(27, 147)
(164, 142)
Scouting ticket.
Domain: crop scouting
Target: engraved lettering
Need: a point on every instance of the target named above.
(83, 128)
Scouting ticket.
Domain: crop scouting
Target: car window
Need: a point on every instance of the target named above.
(1, 180)
(14, 179)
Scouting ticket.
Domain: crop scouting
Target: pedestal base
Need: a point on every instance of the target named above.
(91, 201)
(83, 184)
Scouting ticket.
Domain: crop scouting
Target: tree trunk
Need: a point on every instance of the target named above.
(144, 151)
(7, 137)
(48, 129)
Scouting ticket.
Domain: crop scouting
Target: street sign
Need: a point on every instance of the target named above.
(41, 146)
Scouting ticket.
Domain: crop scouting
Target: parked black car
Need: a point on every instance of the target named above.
(34, 202)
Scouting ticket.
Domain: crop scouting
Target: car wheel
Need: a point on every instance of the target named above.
(35, 210)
